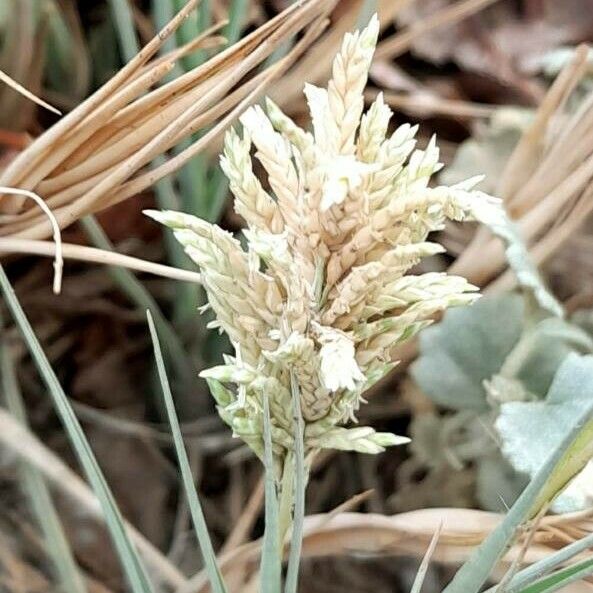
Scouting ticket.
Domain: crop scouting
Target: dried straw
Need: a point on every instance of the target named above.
(94, 157)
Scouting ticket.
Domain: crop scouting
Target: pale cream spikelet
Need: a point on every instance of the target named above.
(252, 202)
(372, 131)
(346, 87)
(323, 291)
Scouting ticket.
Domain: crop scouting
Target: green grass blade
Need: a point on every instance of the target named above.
(37, 491)
(544, 566)
(191, 177)
(195, 507)
(186, 296)
(193, 181)
(561, 578)
(166, 198)
(369, 8)
(296, 541)
(132, 564)
(191, 28)
(126, 31)
(561, 466)
(204, 15)
(218, 189)
(163, 12)
(237, 14)
(271, 560)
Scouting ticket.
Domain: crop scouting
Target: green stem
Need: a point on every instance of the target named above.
(296, 542)
(286, 497)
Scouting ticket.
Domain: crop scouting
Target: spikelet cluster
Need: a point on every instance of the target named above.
(322, 292)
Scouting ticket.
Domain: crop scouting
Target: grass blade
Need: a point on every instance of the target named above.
(544, 566)
(271, 564)
(124, 25)
(166, 196)
(237, 14)
(561, 578)
(368, 9)
(561, 466)
(163, 12)
(195, 507)
(190, 177)
(296, 541)
(218, 188)
(131, 562)
(34, 485)
(191, 29)
(423, 568)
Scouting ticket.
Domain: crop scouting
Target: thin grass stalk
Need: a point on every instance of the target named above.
(57, 236)
(162, 11)
(191, 177)
(128, 283)
(296, 542)
(237, 14)
(562, 465)
(424, 565)
(40, 499)
(98, 256)
(271, 558)
(191, 27)
(131, 562)
(26, 93)
(539, 569)
(124, 27)
(561, 578)
(195, 507)
(166, 194)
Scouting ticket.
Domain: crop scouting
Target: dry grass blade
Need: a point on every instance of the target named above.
(449, 15)
(58, 252)
(26, 93)
(97, 256)
(530, 147)
(30, 158)
(406, 534)
(316, 65)
(423, 569)
(93, 157)
(547, 184)
(427, 105)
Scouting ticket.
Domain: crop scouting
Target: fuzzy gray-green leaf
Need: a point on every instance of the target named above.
(530, 430)
(466, 348)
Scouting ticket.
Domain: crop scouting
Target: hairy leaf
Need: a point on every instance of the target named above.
(530, 430)
(466, 348)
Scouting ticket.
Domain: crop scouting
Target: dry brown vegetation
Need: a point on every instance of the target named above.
(449, 65)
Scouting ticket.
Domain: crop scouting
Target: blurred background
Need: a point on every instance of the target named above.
(477, 73)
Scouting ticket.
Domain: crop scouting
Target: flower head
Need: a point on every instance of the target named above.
(323, 292)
